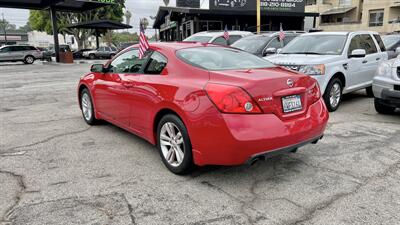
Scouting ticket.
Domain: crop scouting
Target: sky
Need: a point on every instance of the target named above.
(138, 8)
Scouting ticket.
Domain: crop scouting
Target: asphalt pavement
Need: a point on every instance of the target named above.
(55, 169)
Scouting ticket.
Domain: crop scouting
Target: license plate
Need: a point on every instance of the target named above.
(291, 103)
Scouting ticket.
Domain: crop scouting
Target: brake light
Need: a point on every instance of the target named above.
(314, 93)
(231, 99)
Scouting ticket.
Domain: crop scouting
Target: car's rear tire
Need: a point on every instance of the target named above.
(382, 108)
(87, 107)
(174, 145)
(29, 59)
(369, 91)
(333, 94)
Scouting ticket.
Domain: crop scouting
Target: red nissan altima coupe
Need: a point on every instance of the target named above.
(204, 104)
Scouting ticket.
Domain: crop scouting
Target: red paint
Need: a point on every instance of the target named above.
(132, 102)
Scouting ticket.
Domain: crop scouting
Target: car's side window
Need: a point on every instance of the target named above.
(156, 64)
(101, 49)
(128, 62)
(368, 44)
(380, 42)
(354, 44)
(220, 41)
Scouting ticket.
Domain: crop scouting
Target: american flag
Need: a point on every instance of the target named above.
(281, 34)
(226, 33)
(143, 44)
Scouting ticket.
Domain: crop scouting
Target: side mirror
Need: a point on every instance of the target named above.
(97, 68)
(358, 53)
(398, 50)
(269, 51)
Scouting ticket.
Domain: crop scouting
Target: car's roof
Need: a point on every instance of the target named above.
(219, 33)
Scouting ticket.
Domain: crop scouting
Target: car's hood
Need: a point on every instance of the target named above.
(301, 59)
(88, 52)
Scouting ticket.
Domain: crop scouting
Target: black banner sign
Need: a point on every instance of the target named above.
(188, 3)
(266, 5)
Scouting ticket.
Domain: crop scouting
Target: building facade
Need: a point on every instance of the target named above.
(382, 16)
(183, 18)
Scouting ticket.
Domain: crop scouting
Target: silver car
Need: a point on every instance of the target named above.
(386, 86)
(25, 53)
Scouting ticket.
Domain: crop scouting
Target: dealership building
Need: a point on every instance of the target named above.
(182, 18)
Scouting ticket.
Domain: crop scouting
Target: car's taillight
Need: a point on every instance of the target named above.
(314, 93)
(231, 99)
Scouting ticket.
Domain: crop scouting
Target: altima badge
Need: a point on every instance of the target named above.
(290, 83)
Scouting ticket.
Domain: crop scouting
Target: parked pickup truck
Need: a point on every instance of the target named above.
(341, 62)
(386, 86)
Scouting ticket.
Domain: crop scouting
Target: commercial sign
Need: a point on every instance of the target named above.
(297, 6)
(188, 3)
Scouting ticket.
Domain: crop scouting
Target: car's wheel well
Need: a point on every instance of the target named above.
(81, 88)
(159, 116)
(341, 77)
(29, 56)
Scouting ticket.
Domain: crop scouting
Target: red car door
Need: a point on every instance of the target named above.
(147, 92)
(115, 92)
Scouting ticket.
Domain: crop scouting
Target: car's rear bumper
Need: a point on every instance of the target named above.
(234, 139)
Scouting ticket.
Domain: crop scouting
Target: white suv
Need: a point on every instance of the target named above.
(341, 62)
(386, 86)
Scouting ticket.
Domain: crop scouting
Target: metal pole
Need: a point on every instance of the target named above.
(258, 16)
(4, 28)
(97, 39)
(55, 32)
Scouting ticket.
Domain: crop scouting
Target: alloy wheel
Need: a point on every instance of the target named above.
(335, 95)
(86, 107)
(172, 144)
(29, 60)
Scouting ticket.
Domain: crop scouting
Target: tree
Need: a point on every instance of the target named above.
(40, 20)
(7, 25)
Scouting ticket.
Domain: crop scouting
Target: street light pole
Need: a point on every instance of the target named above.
(258, 16)
(4, 28)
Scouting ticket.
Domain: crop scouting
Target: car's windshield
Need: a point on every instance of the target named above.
(316, 44)
(390, 40)
(202, 39)
(220, 58)
(251, 44)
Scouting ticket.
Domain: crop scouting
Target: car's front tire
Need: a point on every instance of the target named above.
(92, 56)
(333, 94)
(174, 145)
(382, 108)
(87, 107)
(29, 59)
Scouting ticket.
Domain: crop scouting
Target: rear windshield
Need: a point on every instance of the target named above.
(220, 58)
(252, 44)
(201, 39)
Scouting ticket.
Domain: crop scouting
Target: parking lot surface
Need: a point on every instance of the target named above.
(55, 169)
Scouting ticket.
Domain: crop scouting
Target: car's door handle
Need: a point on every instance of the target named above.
(365, 61)
(377, 59)
(128, 84)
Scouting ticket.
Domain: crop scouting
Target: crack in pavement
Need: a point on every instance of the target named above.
(18, 197)
(45, 140)
(130, 208)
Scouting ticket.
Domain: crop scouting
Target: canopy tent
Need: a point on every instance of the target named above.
(53, 6)
(100, 25)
